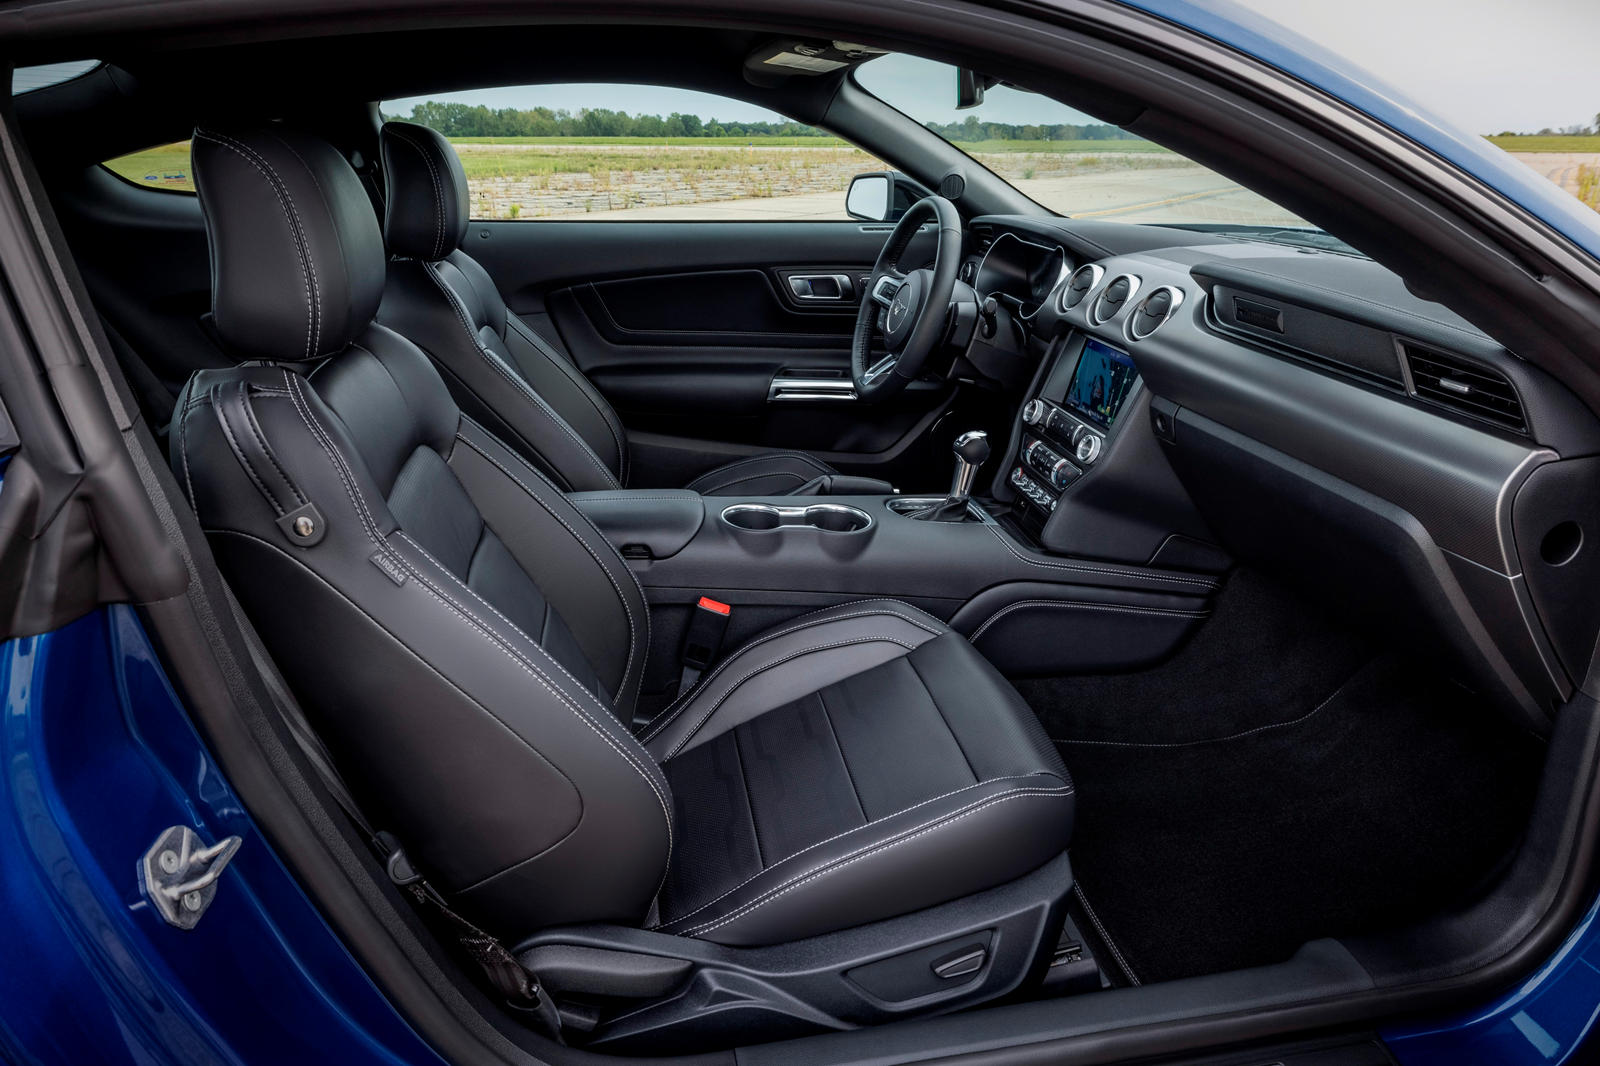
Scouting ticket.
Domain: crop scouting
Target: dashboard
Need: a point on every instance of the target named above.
(1191, 400)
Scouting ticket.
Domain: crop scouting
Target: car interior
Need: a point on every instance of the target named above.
(1062, 624)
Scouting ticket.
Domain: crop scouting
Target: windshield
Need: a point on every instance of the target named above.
(1071, 163)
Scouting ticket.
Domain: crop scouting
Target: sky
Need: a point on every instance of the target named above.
(1484, 65)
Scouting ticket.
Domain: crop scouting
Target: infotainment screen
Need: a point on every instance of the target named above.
(1101, 383)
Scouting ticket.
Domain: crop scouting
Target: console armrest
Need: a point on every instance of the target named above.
(660, 520)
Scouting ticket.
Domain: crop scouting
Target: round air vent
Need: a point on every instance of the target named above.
(1079, 285)
(1150, 312)
(1113, 298)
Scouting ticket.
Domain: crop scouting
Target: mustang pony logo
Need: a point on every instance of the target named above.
(898, 309)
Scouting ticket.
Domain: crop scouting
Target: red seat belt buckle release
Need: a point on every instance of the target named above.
(703, 639)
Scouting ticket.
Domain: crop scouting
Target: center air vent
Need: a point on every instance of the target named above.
(1113, 299)
(1471, 389)
(1153, 310)
(1081, 284)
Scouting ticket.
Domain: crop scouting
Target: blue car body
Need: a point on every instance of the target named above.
(96, 748)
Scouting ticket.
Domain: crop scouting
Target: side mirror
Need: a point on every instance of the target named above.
(868, 197)
(882, 196)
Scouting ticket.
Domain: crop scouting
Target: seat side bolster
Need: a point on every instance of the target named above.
(786, 663)
(502, 485)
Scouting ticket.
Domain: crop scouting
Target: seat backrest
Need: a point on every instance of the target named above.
(501, 371)
(467, 643)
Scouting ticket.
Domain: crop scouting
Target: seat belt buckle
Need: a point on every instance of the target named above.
(703, 639)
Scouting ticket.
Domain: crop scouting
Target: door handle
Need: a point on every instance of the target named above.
(831, 287)
(794, 388)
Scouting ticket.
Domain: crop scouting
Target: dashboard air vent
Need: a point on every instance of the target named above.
(1153, 310)
(1472, 389)
(1113, 299)
(1079, 285)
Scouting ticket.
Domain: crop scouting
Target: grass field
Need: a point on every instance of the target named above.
(1547, 144)
(634, 142)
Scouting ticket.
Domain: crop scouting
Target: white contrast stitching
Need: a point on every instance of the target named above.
(244, 460)
(633, 641)
(290, 216)
(763, 667)
(534, 671)
(516, 380)
(1215, 740)
(1108, 570)
(854, 857)
(438, 196)
(1105, 936)
(379, 540)
(840, 836)
(539, 344)
(817, 464)
(664, 719)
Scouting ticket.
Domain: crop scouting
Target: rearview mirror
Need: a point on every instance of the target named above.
(970, 87)
(868, 197)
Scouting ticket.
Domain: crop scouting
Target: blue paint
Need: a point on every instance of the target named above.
(96, 758)
(1539, 1023)
(1256, 35)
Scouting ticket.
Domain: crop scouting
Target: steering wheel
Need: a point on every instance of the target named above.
(909, 307)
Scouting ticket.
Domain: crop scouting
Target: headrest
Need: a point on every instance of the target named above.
(297, 262)
(426, 217)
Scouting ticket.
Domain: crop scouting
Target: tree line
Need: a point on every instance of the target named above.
(477, 120)
(1577, 130)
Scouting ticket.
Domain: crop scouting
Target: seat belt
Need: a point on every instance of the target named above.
(500, 967)
(702, 640)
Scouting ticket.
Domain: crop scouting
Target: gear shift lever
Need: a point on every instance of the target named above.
(972, 451)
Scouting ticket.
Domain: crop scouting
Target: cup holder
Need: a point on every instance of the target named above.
(824, 517)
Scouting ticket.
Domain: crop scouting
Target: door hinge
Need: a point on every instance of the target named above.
(179, 876)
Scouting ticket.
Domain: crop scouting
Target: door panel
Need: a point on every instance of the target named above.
(686, 326)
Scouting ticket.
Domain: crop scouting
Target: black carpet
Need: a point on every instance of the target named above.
(1275, 782)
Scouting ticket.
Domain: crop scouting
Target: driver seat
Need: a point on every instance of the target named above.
(500, 370)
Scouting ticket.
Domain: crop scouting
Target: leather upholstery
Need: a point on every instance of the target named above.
(471, 647)
(425, 215)
(291, 263)
(852, 765)
(502, 372)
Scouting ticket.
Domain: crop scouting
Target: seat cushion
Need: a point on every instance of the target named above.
(856, 764)
(770, 474)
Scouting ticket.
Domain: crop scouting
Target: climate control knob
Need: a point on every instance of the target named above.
(1088, 448)
(1062, 474)
(1033, 412)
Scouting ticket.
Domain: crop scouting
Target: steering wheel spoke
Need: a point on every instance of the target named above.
(878, 369)
(884, 288)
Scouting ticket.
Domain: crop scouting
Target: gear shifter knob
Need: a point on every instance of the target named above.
(972, 450)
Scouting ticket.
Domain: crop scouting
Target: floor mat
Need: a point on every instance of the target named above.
(1271, 786)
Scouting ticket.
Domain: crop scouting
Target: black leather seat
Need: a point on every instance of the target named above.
(471, 647)
(502, 372)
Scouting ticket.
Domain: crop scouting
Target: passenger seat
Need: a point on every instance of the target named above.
(470, 646)
(501, 371)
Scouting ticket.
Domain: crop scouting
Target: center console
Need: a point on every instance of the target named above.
(772, 558)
